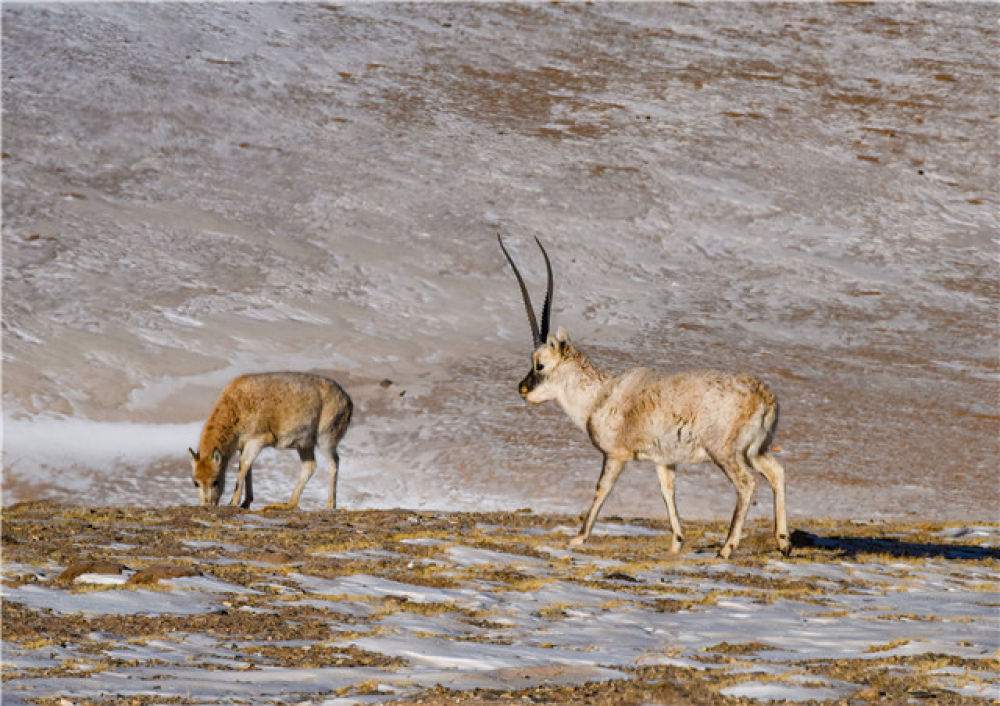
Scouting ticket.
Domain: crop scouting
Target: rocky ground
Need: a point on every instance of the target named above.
(192, 605)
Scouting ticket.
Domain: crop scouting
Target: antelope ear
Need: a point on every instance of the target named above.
(552, 342)
(194, 454)
(217, 457)
(561, 335)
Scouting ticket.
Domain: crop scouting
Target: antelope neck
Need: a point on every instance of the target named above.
(581, 390)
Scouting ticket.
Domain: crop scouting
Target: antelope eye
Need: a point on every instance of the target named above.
(539, 366)
(195, 484)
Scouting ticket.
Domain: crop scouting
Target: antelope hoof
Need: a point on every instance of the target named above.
(725, 551)
(578, 540)
(676, 542)
(784, 546)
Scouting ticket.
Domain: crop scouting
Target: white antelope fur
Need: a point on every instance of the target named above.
(690, 417)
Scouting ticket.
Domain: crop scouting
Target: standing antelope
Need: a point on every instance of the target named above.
(690, 417)
(283, 410)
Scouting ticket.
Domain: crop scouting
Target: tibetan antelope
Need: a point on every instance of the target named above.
(690, 417)
(282, 410)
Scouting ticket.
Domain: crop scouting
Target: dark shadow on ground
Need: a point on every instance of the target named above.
(851, 546)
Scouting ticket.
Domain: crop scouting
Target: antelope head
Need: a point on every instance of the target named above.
(209, 475)
(548, 349)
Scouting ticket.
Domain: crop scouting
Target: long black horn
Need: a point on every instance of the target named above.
(547, 306)
(536, 338)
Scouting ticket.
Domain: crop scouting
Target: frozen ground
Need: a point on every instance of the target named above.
(807, 192)
(372, 606)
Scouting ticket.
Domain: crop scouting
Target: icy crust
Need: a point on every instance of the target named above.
(378, 605)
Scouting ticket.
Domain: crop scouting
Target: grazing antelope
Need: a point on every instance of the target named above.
(283, 410)
(690, 417)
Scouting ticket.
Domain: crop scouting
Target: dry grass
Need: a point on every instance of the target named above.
(272, 626)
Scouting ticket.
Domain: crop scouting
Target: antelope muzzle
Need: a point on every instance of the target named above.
(529, 383)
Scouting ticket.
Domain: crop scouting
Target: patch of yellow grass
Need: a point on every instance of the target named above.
(554, 611)
(833, 614)
(397, 604)
(888, 646)
(37, 643)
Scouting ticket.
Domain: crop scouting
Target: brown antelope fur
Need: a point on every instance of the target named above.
(281, 410)
(690, 417)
